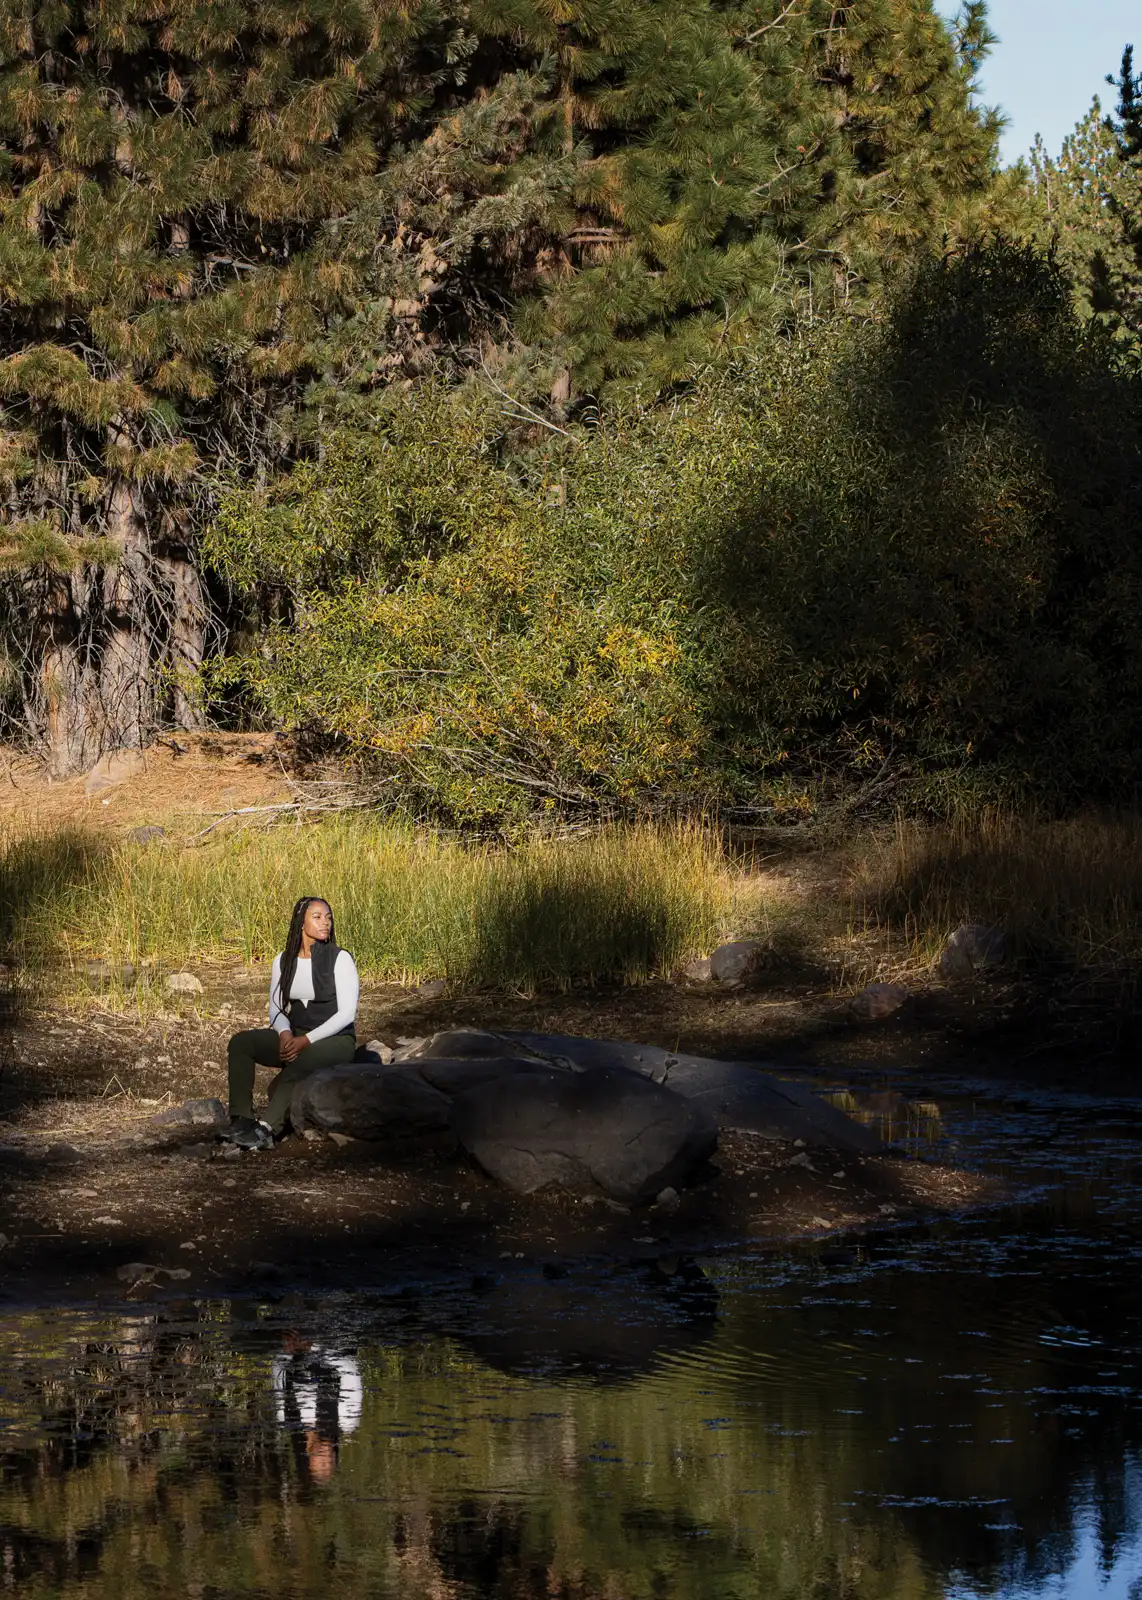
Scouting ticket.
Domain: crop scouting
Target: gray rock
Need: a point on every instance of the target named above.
(100, 971)
(193, 1152)
(737, 1094)
(382, 1051)
(192, 1116)
(63, 1154)
(737, 964)
(369, 1103)
(877, 1001)
(432, 989)
(407, 1046)
(463, 1044)
(182, 983)
(115, 767)
(604, 1129)
(146, 834)
(698, 972)
(974, 947)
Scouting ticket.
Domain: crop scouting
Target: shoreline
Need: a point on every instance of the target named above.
(90, 1191)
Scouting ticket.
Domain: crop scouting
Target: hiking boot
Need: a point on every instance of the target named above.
(248, 1134)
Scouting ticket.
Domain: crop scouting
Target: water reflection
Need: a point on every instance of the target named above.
(942, 1415)
(318, 1396)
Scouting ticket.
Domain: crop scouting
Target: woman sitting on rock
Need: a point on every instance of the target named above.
(313, 1009)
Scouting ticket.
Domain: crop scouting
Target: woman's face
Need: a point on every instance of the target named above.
(318, 921)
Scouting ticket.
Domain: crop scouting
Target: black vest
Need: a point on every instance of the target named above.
(303, 1016)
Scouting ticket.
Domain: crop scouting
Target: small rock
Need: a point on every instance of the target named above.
(667, 1201)
(378, 1047)
(311, 1135)
(5, 1241)
(230, 1152)
(432, 989)
(63, 1152)
(192, 1116)
(188, 1245)
(136, 1272)
(801, 1160)
(176, 1272)
(877, 1001)
(108, 1222)
(342, 1139)
(408, 1045)
(699, 971)
(115, 767)
(147, 834)
(194, 1152)
(736, 964)
(974, 947)
(182, 983)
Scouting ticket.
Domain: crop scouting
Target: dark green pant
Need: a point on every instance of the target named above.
(258, 1047)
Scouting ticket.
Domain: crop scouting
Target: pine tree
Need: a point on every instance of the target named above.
(786, 157)
(1091, 201)
(224, 221)
(173, 176)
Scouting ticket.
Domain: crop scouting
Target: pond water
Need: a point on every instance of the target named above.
(951, 1411)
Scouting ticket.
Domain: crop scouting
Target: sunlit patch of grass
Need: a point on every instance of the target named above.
(617, 905)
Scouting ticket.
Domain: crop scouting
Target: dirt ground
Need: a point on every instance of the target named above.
(96, 1201)
(193, 777)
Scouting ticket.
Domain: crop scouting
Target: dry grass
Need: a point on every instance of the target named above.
(622, 904)
(1068, 894)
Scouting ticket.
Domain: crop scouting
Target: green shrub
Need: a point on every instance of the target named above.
(914, 541)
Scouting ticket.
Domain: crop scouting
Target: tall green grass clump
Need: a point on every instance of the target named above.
(620, 904)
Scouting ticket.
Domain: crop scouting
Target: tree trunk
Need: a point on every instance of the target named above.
(115, 649)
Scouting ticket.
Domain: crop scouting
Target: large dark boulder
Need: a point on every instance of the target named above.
(607, 1129)
(457, 1077)
(369, 1103)
(738, 1095)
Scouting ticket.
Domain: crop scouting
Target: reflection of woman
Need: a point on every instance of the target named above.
(318, 1394)
(313, 1009)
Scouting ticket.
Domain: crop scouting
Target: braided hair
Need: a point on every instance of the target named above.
(293, 945)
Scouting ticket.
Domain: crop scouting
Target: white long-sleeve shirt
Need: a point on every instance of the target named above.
(345, 981)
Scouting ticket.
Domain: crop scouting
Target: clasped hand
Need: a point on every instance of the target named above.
(290, 1045)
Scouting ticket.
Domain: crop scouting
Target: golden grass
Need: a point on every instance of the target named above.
(621, 904)
(1068, 894)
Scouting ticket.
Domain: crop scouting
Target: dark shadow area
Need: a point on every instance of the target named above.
(578, 930)
(938, 565)
(39, 874)
(606, 1324)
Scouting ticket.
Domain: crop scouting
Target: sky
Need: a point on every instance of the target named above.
(1051, 61)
